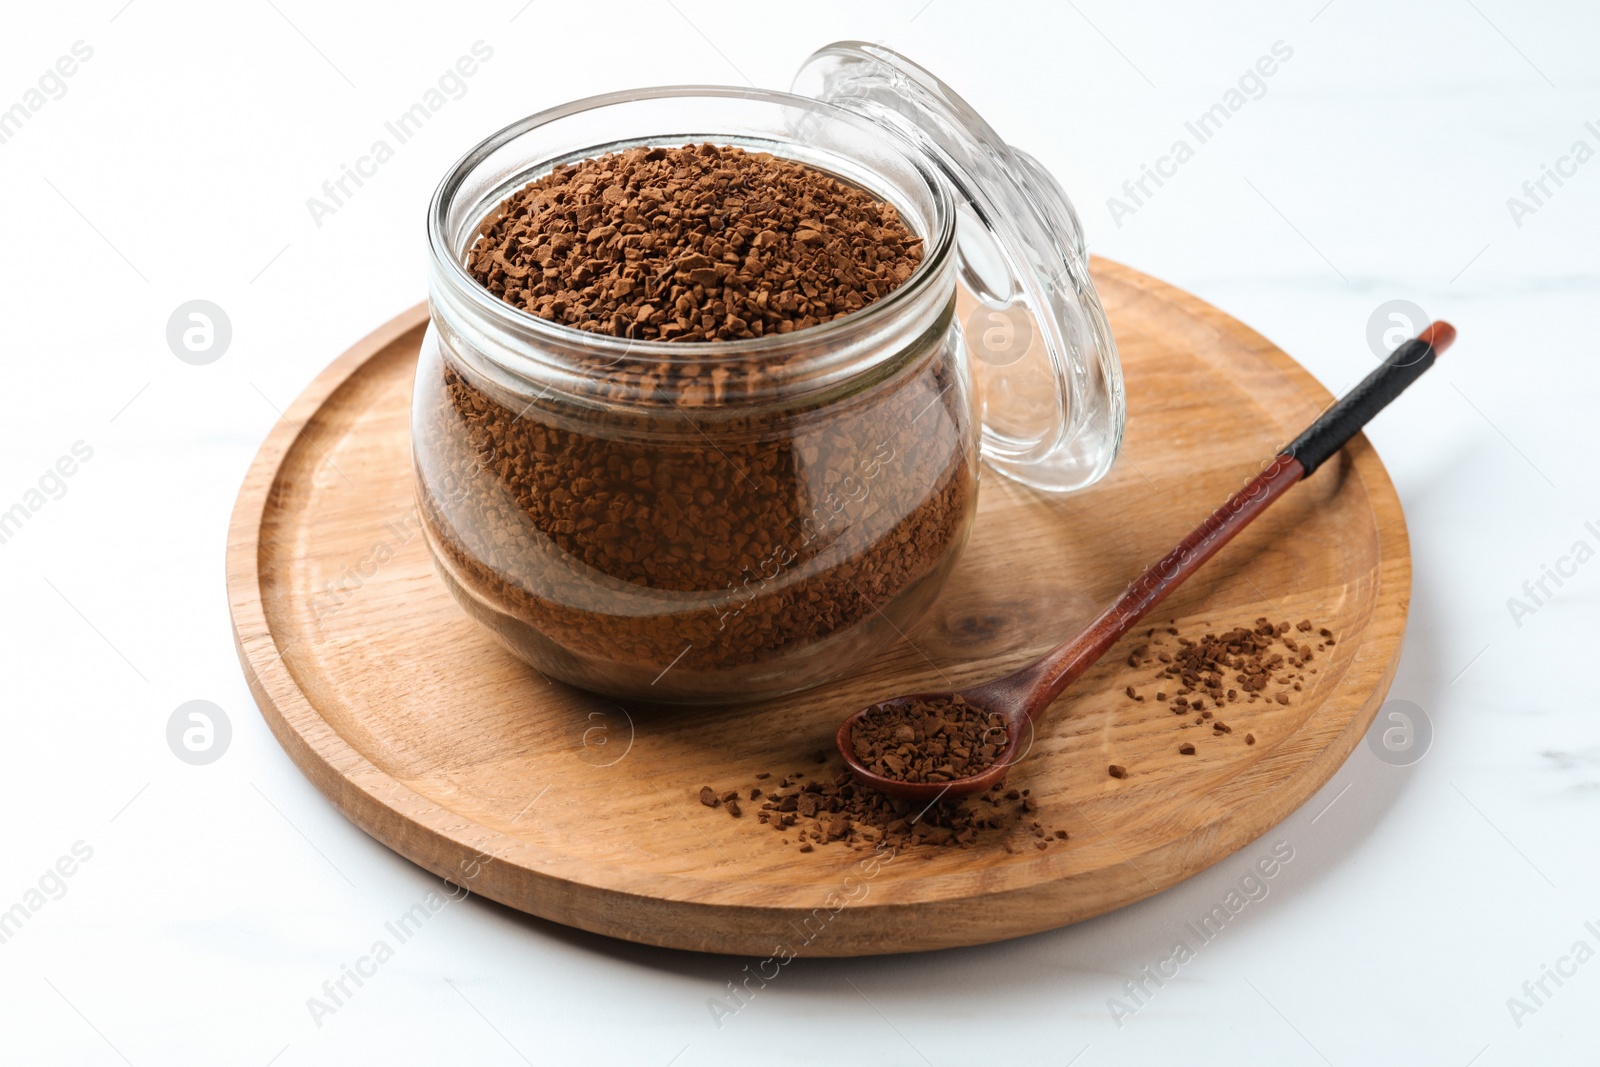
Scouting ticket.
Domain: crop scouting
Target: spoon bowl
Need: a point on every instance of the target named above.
(989, 697)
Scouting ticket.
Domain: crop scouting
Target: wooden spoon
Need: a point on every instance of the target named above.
(1022, 697)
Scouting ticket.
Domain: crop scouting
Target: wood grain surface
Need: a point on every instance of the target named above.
(435, 741)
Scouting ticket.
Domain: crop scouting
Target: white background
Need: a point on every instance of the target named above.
(219, 898)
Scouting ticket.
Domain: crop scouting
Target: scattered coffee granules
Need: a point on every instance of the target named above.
(679, 527)
(700, 243)
(1256, 658)
(1235, 667)
(833, 808)
(928, 741)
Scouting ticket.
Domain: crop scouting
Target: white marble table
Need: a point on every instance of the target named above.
(205, 905)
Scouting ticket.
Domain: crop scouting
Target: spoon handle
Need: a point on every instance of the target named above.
(1324, 437)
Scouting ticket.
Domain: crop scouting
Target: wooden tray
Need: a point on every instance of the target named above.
(436, 742)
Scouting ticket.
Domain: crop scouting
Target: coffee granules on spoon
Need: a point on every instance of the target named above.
(929, 741)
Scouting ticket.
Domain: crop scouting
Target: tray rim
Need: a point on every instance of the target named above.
(427, 834)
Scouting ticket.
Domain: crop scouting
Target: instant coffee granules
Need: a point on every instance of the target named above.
(700, 243)
(833, 808)
(928, 740)
(734, 521)
(1198, 677)
(1238, 665)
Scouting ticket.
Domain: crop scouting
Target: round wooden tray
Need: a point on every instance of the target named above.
(435, 741)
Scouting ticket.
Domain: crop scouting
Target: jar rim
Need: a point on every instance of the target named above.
(939, 246)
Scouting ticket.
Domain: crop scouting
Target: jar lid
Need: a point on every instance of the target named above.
(1044, 363)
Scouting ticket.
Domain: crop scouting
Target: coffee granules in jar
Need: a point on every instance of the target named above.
(702, 243)
(928, 740)
(679, 528)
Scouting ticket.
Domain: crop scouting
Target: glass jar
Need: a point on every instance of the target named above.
(703, 522)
